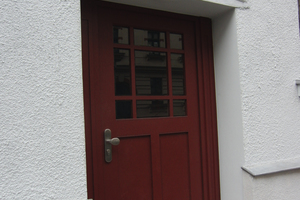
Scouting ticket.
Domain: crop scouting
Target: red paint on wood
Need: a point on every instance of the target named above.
(87, 106)
(175, 166)
(162, 158)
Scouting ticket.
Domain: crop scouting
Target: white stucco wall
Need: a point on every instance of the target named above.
(279, 186)
(268, 39)
(256, 52)
(268, 44)
(42, 147)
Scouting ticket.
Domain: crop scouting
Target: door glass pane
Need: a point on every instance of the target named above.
(149, 38)
(179, 107)
(178, 80)
(175, 41)
(120, 35)
(124, 109)
(152, 108)
(122, 72)
(151, 73)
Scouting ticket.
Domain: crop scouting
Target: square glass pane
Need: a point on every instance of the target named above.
(178, 77)
(121, 35)
(149, 38)
(151, 76)
(122, 72)
(176, 41)
(179, 107)
(123, 109)
(152, 108)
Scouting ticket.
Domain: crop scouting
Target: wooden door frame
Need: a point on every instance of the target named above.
(206, 90)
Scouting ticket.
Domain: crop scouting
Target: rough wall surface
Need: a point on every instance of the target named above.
(42, 144)
(268, 46)
(268, 43)
(263, 99)
(41, 110)
(281, 186)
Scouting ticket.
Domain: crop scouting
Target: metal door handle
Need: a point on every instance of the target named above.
(108, 142)
(113, 141)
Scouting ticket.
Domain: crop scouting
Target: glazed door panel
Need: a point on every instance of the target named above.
(143, 86)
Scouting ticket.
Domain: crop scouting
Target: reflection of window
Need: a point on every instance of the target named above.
(152, 108)
(149, 38)
(156, 86)
(122, 72)
(120, 35)
(118, 56)
(116, 35)
(153, 38)
(157, 56)
(159, 107)
(123, 109)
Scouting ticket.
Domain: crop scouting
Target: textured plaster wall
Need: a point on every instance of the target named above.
(42, 153)
(281, 186)
(269, 57)
(42, 147)
(268, 44)
(261, 105)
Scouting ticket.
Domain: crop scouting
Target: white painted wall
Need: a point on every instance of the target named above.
(42, 147)
(229, 106)
(261, 105)
(205, 8)
(279, 186)
(256, 50)
(268, 44)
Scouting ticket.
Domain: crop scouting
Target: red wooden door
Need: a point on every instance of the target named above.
(143, 86)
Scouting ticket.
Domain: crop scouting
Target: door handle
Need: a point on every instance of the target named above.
(108, 142)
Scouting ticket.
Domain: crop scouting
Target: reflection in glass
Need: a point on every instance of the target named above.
(123, 109)
(122, 72)
(152, 108)
(149, 38)
(179, 107)
(120, 35)
(178, 80)
(151, 73)
(175, 41)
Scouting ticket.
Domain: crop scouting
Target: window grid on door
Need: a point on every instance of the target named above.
(149, 72)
